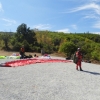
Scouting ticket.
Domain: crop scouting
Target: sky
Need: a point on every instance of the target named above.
(68, 16)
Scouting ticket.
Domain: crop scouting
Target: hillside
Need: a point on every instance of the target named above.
(64, 44)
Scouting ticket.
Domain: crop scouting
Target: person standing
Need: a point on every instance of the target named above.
(22, 52)
(79, 59)
(42, 51)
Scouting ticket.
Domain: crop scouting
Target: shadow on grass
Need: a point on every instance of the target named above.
(94, 73)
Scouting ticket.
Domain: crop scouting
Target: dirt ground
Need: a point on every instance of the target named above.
(9, 53)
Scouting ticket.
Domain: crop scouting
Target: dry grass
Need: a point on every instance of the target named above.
(9, 53)
(5, 53)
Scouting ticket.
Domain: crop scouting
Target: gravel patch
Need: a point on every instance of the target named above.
(50, 81)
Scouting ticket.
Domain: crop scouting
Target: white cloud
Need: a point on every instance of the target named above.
(9, 22)
(95, 32)
(97, 25)
(95, 7)
(1, 9)
(93, 12)
(66, 30)
(42, 26)
(91, 16)
(74, 27)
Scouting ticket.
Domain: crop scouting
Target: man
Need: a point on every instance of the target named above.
(79, 59)
(22, 52)
(42, 51)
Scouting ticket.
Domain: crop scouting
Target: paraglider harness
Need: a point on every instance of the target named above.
(75, 59)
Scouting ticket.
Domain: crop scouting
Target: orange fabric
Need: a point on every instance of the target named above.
(79, 55)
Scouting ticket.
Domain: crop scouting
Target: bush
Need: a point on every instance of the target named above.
(68, 48)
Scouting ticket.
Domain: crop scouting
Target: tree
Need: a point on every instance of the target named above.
(5, 37)
(22, 29)
(26, 35)
(68, 48)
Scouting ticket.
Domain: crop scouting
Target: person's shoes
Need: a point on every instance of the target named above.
(81, 70)
(76, 68)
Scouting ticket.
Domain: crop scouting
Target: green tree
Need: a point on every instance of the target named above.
(25, 36)
(22, 29)
(68, 48)
(6, 37)
(26, 33)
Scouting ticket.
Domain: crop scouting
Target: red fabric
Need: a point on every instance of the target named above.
(32, 61)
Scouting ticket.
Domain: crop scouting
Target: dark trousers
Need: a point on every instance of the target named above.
(22, 55)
